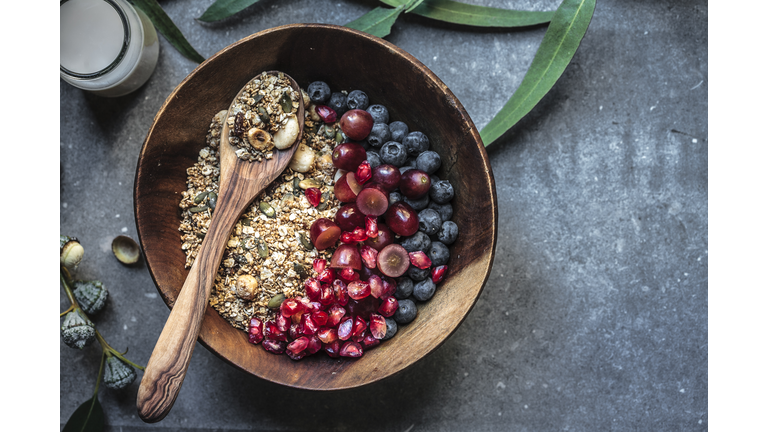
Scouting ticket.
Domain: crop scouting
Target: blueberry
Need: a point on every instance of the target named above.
(406, 311)
(373, 158)
(357, 99)
(445, 210)
(395, 197)
(417, 242)
(404, 288)
(418, 204)
(418, 274)
(448, 232)
(438, 253)
(424, 290)
(429, 162)
(393, 153)
(318, 92)
(398, 130)
(429, 221)
(338, 103)
(441, 191)
(416, 142)
(391, 328)
(379, 134)
(405, 168)
(380, 113)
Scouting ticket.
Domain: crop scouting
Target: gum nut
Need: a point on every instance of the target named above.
(259, 139)
(71, 252)
(286, 136)
(303, 159)
(126, 250)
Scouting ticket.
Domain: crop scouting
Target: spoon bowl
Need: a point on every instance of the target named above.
(240, 182)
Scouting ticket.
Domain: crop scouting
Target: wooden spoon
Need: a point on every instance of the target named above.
(240, 182)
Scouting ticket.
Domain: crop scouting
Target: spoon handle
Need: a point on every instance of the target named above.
(170, 358)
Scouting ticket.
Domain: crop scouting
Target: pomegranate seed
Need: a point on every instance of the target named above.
(340, 292)
(351, 349)
(332, 349)
(309, 326)
(335, 314)
(371, 227)
(326, 113)
(326, 297)
(378, 326)
(358, 328)
(298, 345)
(273, 333)
(315, 306)
(377, 286)
(327, 335)
(295, 331)
(357, 235)
(255, 331)
(313, 196)
(420, 259)
(319, 264)
(283, 323)
(327, 275)
(313, 289)
(390, 286)
(291, 306)
(438, 273)
(369, 255)
(345, 328)
(359, 338)
(273, 346)
(314, 345)
(358, 289)
(363, 173)
(348, 274)
(388, 306)
(369, 340)
(296, 318)
(295, 356)
(319, 318)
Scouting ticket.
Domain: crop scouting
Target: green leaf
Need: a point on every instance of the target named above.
(413, 4)
(377, 22)
(88, 417)
(568, 26)
(167, 28)
(221, 9)
(473, 15)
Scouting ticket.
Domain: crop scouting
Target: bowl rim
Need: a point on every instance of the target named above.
(456, 104)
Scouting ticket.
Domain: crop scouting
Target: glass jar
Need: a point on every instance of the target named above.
(107, 47)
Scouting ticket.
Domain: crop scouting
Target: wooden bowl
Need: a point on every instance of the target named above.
(345, 59)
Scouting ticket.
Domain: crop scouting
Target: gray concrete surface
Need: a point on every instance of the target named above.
(595, 314)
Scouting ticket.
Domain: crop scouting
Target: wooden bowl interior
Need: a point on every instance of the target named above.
(345, 59)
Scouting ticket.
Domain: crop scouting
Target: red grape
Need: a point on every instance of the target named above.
(356, 124)
(348, 156)
(402, 219)
(393, 260)
(347, 255)
(388, 176)
(414, 184)
(323, 233)
(349, 217)
(372, 200)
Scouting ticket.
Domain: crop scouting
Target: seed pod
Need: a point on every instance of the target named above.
(117, 373)
(70, 252)
(77, 331)
(260, 139)
(126, 250)
(247, 287)
(263, 116)
(90, 295)
(267, 209)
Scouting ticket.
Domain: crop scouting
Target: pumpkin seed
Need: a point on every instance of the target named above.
(300, 270)
(329, 132)
(305, 242)
(200, 235)
(285, 103)
(339, 137)
(200, 197)
(309, 183)
(212, 197)
(245, 244)
(257, 98)
(263, 115)
(246, 222)
(267, 209)
(198, 209)
(241, 259)
(262, 249)
(276, 301)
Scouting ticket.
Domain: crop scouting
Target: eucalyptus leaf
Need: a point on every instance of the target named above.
(413, 4)
(474, 15)
(167, 28)
(221, 9)
(88, 417)
(377, 22)
(568, 26)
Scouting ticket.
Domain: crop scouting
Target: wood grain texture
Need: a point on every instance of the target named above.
(412, 93)
(240, 182)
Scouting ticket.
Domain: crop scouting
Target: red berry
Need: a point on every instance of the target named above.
(368, 254)
(384, 238)
(358, 290)
(377, 286)
(313, 196)
(274, 346)
(438, 273)
(255, 331)
(326, 296)
(309, 326)
(359, 326)
(326, 113)
(388, 306)
(369, 340)
(351, 349)
(378, 326)
(420, 259)
(363, 173)
(298, 345)
(313, 288)
(314, 345)
(356, 124)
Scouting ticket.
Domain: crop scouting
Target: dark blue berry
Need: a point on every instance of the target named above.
(404, 288)
(391, 328)
(406, 311)
(373, 158)
(393, 153)
(429, 162)
(438, 253)
(419, 204)
(448, 233)
(418, 274)
(380, 113)
(406, 167)
(379, 135)
(417, 242)
(395, 197)
(445, 210)
(398, 130)
(416, 142)
(357, 99)
(429, 221)
(424, 290)
(338, 103)
(441, 191)
(318, 92)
